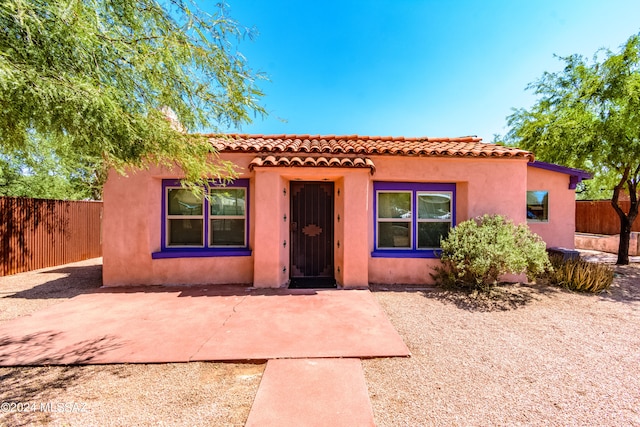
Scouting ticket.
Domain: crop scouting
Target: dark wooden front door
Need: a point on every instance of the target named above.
(312, 233)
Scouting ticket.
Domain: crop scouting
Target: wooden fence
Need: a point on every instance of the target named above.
(37, 233)
(598, 217)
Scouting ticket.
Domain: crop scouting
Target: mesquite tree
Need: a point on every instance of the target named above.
(588, 116)
(95, 78)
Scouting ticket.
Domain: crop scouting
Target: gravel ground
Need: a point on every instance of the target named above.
(528, 355)
(22, 294)
(174, 394)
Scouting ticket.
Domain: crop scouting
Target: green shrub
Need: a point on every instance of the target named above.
(580, 275)
(478, 251)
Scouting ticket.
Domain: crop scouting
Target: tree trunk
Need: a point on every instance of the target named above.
(626, 218)
(625, 236)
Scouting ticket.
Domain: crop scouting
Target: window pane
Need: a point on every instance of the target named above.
(537, 205)
(430, 233)
(185, 232)
(394, 235)
(394, 205)
(183, 202)
(227, 201)
(227, 232)
(434, 206)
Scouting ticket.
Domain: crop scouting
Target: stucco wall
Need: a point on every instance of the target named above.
(339, 205)
(482, 186)
(132, 232)
(352, 204)
(607, 243)
(132, 229)
(559, 230)
(132, 219)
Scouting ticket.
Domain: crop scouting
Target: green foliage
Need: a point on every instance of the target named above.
(478, 251)
(46, 170)
(101, 74)
(588, 116)
(580, 275)
(600, 187)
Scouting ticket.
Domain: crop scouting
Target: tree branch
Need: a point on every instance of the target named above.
(616, 193)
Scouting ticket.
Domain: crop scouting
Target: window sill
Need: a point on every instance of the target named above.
(391, 253)
(200, 253)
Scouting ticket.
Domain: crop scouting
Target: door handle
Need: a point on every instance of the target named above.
(294, 226)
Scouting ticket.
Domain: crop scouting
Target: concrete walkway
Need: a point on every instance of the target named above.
(312, 392)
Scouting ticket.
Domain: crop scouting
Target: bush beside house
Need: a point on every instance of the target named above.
(477, 252)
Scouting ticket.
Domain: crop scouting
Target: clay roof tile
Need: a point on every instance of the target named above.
(359, 162)
(466, 146)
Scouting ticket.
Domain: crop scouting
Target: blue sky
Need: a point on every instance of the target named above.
(415, 68)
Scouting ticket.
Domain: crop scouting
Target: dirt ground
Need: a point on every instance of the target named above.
(527, 355)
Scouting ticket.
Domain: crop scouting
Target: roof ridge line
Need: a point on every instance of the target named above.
(470, 138)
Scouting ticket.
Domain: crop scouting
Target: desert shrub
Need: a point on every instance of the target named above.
(478, 251)
(580, 275)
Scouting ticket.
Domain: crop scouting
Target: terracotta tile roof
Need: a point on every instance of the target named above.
(340, 162)
(468, 146)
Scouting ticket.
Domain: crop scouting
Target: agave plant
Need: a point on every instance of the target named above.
(580, 275)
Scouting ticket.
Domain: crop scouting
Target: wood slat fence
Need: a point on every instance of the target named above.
(38, 233)
(598, 217)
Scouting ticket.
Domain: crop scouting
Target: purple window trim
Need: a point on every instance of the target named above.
(414, 187)
(206, 250)
(406, 253)
(199, 253)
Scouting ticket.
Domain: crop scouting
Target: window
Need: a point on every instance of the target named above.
(537, 206)
(434, 218)
(394, 219)
(204, 226)
(228, 217)
(185, 218)
(411, 218)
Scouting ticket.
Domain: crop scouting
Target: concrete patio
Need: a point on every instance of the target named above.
(161, 324)
(312, 340)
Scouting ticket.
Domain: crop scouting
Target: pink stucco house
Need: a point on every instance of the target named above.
(324, 210)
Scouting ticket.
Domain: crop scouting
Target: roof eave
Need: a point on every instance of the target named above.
(576, 176)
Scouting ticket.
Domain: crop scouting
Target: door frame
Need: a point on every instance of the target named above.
(330, 251)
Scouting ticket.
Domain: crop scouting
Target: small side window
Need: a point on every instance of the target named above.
(537, 206)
